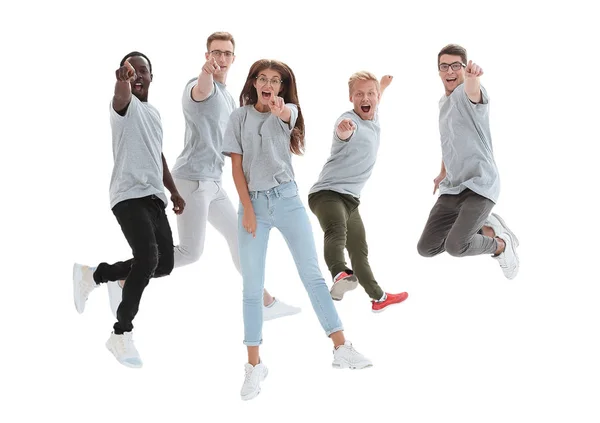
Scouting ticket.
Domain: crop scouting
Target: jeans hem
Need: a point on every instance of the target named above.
(329, 332)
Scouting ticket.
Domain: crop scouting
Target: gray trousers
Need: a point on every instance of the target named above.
(454, 225)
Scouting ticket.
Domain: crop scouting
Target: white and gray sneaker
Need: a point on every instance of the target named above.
(83, 285)
(508, 259)
(346, 357)
(124, 350)
(342, 283)
(254, 376)
(498, 224)
(115, 295)
(278, 309)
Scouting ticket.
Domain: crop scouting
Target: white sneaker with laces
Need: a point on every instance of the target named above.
(83, 285)
(278, 309)
(346, 357)
(498, 224)
(254, 376)
(124, 350)
(115, 295)
(508, 259)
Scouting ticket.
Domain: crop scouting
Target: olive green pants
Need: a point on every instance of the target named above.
(344, 230)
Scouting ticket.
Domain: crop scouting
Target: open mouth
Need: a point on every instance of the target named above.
(266, 95)
(138, 86)
(365, 108)
(450, 79)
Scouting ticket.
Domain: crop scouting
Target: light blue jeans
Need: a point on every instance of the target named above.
(281, 208)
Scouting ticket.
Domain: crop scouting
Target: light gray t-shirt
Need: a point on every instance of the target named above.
(205, 123)
(351, 162)
(467, 146)
(264, 141)
(137, 153)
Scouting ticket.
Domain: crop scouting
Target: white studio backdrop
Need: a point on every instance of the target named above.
(467, 346)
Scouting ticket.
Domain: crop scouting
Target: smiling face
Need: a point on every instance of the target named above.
(365, 97)
(143, 77)
(451, 78)
(268, 84)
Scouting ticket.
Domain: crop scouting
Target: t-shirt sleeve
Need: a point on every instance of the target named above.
(116, 118)
(232, 140)
(287, 127)
(188, 102)
(484, 98)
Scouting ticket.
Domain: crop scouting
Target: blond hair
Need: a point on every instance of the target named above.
(363, 76)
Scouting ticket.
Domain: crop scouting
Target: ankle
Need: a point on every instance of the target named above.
(501, 246)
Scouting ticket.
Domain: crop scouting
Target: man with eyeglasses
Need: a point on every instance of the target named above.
(197, 172)
(460, 221)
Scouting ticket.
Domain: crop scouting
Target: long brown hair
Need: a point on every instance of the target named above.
(288, 92)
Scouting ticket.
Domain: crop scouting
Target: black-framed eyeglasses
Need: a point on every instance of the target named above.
(263, 80)
(219, 53)
(455, 66)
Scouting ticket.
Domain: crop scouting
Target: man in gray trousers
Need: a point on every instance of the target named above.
(460, 221)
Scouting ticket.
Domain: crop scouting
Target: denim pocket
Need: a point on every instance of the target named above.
(289, 192)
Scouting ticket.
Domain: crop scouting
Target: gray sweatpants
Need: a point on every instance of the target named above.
(454, 226)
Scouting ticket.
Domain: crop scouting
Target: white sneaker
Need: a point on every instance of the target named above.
(278, 309)
(115, 295)
(124, 350)
(508, 259)
(346, 357)
(499, 226)
(254, 376)
(83, 285)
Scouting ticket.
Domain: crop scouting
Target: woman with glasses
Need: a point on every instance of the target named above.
(260, 138)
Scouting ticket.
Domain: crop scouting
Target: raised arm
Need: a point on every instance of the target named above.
(472, 84)
(204, 86)
(385, 82)
(345, 129)
(279, 109)
(122, 97)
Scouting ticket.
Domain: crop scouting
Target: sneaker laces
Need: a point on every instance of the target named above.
(248, 378)
(88, 287)
(125, 343)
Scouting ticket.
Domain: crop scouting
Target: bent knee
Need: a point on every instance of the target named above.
(189, 255)
(456, 248)
(425, 250)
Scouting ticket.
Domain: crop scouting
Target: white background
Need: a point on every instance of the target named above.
(467, 346)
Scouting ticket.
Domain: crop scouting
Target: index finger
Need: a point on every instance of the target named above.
(128, 65)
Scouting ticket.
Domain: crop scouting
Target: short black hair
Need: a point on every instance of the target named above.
(134, 54)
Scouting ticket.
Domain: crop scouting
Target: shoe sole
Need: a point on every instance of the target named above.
(77, 276)
(346, 365)
(341, 287)
(514, 251)
(388, 306)
(124, 363)
(255, 394)
(507, 229)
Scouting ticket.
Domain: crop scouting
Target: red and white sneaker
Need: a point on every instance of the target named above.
(391, 299)
(342, 283)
